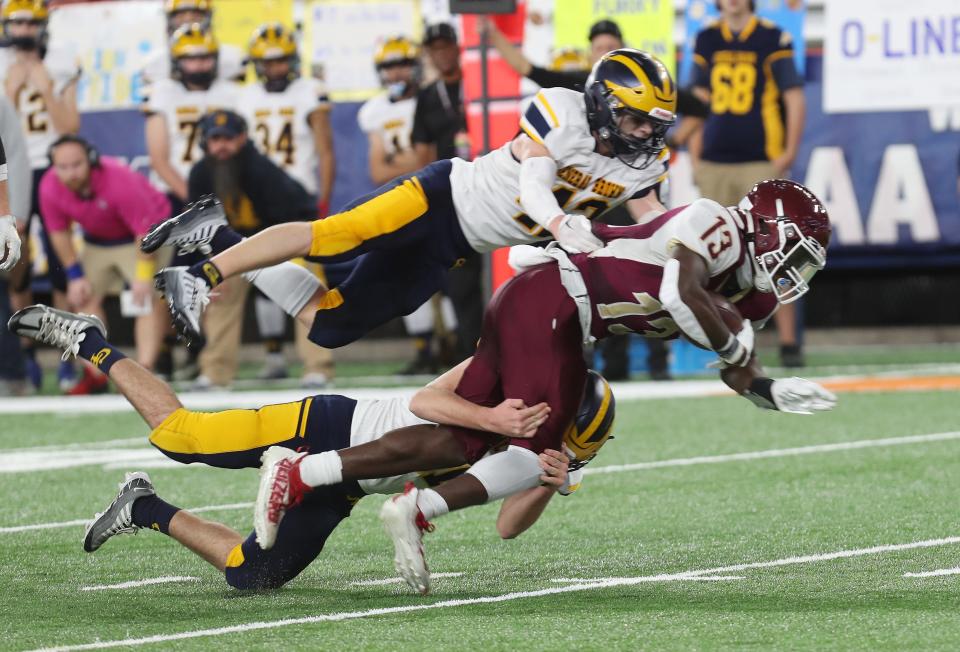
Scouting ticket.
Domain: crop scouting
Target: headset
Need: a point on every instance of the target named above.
(93, 154)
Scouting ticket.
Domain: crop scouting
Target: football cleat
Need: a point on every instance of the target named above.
(192, 230)
(186, 296)
(117, 518)
(58, 328)
(276, 493)
(405, 524)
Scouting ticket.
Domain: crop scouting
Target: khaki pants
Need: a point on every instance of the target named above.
(728, 183)
(108, 267)
(223, 327)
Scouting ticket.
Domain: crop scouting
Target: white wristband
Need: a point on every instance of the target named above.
(9, 219)
(537, 176)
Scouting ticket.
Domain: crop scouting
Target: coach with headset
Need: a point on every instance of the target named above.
(114, 206)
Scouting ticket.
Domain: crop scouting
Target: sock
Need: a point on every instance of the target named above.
(431, 504)
(98, 351)
(207, 272)
(152, 512)
(321, 469)
(223, 239)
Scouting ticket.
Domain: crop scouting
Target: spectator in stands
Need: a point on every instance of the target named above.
(440, 132)
(255, 194)
(743, 66)
(387, 119)
(115, 207)
(40, 80)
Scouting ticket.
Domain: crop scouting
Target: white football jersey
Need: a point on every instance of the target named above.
(280, 127)
(391, 121)
(229, 64)
(182, 110)
(38, 128)
(704, 227)
(486, 192)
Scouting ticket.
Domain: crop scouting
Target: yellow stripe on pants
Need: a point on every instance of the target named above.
(384, 214)
(209, 433)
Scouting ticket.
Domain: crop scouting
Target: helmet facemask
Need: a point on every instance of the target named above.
(788, 259)
(637, 153)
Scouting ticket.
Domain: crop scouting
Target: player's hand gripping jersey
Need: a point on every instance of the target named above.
(486, 192)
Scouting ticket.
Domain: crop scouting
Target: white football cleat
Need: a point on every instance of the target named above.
(405, 524)
(274, 496)
(58, 328)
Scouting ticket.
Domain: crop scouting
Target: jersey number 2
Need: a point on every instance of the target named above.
(645, 306)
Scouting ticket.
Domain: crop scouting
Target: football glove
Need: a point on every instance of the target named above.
(575, 235)
(9, 243)
(801, 396)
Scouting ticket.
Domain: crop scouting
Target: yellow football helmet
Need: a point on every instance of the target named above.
(570, 60)
(626, 83)
(273, 42)
(32, 11)
(192, 41)
(594, 422)
(398, 51)
(174, 7)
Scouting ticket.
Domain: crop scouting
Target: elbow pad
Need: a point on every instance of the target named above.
(673, 302)
(504, 474)
(537, 176)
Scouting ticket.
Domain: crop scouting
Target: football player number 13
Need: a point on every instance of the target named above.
(731, 87)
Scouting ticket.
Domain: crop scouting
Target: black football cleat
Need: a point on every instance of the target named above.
(192, 230)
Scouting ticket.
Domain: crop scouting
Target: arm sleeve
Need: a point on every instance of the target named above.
(553, 78)
(550, 121)
(701, 59)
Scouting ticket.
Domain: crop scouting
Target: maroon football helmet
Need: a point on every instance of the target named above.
(788, 231)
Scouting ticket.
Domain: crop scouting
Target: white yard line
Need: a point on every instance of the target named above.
(79, 445)
(137, 583)
(640, 466)
(506, 597)
(83, 521)
(399, 580)
(776, 452)
(676, 578)
(935, 573)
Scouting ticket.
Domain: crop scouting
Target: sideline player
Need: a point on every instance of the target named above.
(578, 155)
(236, 439)
(289, 114)
(654, 279)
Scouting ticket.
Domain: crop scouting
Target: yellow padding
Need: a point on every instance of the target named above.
(379, 216)
(235, 558)
(332, 299)
(208, 433)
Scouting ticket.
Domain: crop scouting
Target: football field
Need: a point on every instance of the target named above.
(706, 524)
